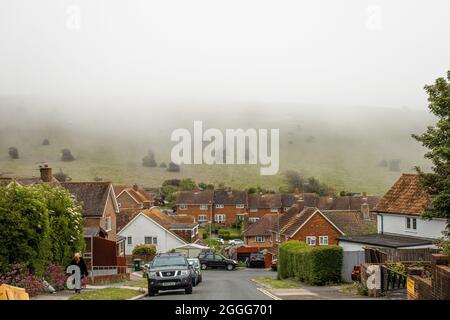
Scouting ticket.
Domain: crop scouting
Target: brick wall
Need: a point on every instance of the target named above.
(126, 202)
(317, 226)
(440, 276)
(422, 289)
(260, 213)
(108, 279)
(230, 212)
(251, 241)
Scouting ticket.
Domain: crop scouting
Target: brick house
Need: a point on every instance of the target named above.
(198, 204)
(229, 206)
(258, 234)
(99, 205)
(261, 204)
(131, 200)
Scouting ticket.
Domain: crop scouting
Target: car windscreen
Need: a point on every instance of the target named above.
(169, 262)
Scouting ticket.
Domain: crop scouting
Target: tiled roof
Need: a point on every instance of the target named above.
(139, 195)
(288, 199)
(296, 221)
(407, 196)
(262, 227)
(195, 197)
(92, 196)
(352, 222)
(169, 221)
(230, 197)
(267, 200)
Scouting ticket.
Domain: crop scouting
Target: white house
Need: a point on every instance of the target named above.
(142, 229)
(399, 220)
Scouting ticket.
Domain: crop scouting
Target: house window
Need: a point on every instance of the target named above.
(273, 209)
(220, 218)
(253, 219)
(148, 240)
(253, 209)
(118, 204)
(108, 224)
(311, 240)
(240, 206)
(155, 240)
(219, 206)
(285, 209)
(129, 240)
(183, 207)
(203, 207)
(323, 240)
(202, 218)
(411, 224)
(259, 239)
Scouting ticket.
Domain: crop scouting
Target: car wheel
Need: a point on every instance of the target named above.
(188, 290)
(230, 267)
(204, 266)
(152, 293)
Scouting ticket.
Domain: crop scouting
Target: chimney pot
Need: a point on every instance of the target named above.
(135, 187)
(46, 173)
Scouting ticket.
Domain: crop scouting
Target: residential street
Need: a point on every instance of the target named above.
(222, 284)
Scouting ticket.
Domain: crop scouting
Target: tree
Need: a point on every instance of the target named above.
(24, 228)
(187, 184)
(149, 160)
(67, 155)
(437, 140)
(294, 180)
(46, 142)
(13, 153)
(173, 167)
(66, 223)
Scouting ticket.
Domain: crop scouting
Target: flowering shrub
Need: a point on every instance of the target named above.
(21, 277)
(56, 276)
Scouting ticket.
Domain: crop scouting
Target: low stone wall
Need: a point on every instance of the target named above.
(107, 279)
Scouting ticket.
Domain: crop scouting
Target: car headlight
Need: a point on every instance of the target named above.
(184, 272)
(152, 274)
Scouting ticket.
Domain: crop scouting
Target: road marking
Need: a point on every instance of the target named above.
(267, 293)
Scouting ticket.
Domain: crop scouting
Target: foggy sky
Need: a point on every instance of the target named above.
(341, 53)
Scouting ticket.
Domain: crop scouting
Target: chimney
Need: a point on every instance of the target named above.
(135, 187)
(146, 204)
(365, 211)
(364, 194)
(300, 204)
(46, 173)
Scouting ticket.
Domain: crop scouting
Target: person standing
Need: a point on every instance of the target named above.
(78, 261)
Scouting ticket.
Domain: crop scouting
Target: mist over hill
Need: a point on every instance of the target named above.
(342, 146)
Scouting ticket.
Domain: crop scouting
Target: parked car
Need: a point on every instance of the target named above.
(219, 240)
(256, 259)
(235, 242)
(216, 260)
(169, 271)
(195, 263)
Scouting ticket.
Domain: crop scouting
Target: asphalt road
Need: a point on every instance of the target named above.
(220, 284)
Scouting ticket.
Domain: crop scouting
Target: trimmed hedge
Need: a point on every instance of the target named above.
(314, 265)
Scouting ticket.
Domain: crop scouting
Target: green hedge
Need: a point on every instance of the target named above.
(314, 265)
(228, 234)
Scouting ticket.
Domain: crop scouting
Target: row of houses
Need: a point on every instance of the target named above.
(229, 206)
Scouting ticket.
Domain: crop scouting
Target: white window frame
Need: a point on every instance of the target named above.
(323, 240)
(183, 206)
(260, 239)
(203, 207)
(253, 210)
(274, 210)
(203, 216)
(219, 206)
(218, 216)
(240, 206)
(253, 219)
(108, 224)
(412, 222)
(311, 240)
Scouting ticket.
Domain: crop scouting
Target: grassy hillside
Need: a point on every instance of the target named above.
(340, 148)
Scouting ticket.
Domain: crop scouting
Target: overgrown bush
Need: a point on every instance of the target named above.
(20, 276)
(314, 265)
(56, 276)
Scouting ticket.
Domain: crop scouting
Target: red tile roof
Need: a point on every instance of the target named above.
(262, 227)
(407, 196)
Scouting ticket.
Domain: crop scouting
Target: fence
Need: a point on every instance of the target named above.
(381, 255)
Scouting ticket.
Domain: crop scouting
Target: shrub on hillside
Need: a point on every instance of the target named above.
(13, 153)
(46, 142)
(314, 265)
(173, 167)
(66, 155)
